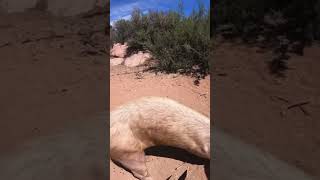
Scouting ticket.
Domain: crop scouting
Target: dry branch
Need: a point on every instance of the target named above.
(298, 104)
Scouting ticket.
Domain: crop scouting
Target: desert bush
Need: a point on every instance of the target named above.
(178, 42)
(244, 14)
(121, 31)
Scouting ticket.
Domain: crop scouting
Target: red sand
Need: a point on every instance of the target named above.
(125, 85)
(251, 104)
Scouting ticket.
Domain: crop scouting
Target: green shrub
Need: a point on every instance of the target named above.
(121, 31)
(178, 42)
(245, 13)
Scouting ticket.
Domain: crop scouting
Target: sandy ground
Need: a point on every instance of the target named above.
(53, 76)
(233, 159)
(53, 71)
(236, 160)
(251, 104)
(126, 85)
(75, 152)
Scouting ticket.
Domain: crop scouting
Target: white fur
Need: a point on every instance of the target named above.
(152, 121)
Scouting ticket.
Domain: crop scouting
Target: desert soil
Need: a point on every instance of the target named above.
(53, 71)
(129, 83)
(251, 104)
(53, 76)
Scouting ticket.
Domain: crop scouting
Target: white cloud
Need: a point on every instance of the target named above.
(126, 17)
(123, 11)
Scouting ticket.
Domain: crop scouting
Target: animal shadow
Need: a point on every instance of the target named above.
(181, 155)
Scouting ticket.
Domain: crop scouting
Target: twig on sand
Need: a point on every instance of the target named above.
(298, 104)
(281, 98)
(304, 111)
(182, 177)
(175, 169)
(179, 166)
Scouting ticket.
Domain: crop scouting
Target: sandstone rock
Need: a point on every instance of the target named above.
(119, 50)
(116, 61)
(137, 59)
(173, 75)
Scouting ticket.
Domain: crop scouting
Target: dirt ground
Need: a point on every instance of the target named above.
(126, 84)
(53, 76)
(248, 103)
(251, 104)
(53, 71)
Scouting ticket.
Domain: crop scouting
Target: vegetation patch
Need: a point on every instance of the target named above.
(179, 43)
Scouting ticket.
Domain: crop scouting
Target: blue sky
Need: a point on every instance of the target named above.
(121, 9)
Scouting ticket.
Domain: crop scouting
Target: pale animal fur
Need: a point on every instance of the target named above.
(152, 121)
